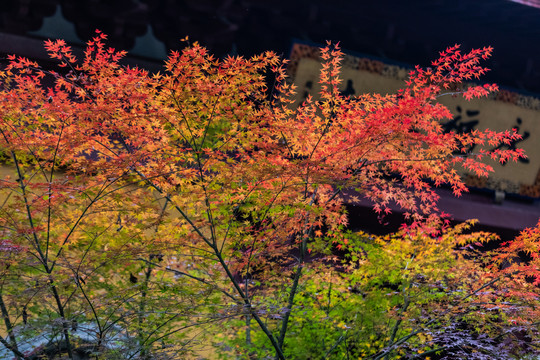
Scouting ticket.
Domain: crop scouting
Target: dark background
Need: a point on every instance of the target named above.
(407, 31)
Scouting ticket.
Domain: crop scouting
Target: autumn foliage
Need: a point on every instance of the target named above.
(143, 205)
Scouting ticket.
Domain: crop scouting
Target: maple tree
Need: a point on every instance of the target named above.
(408, 295)
(124, 182)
